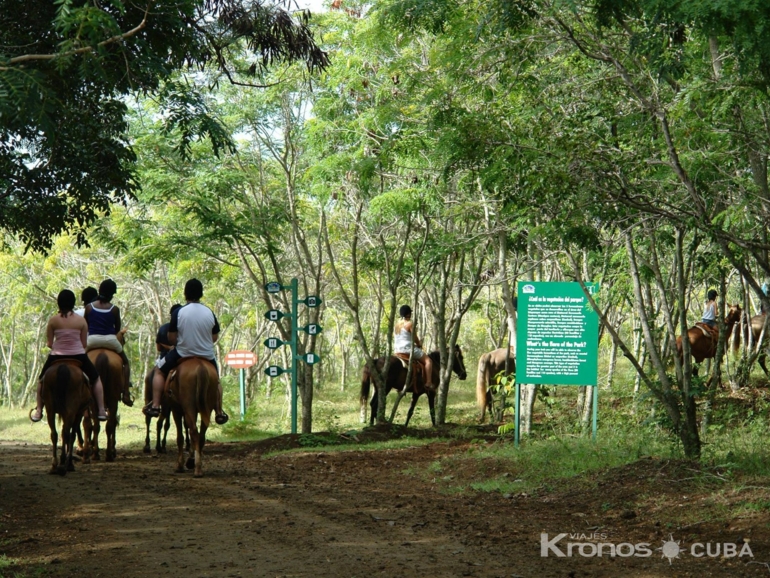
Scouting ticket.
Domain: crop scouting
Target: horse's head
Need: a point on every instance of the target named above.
(733, 314)
(458, 363)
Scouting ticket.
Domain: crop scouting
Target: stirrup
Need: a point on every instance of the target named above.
(127, 399)
(150, 411)
(32, 419)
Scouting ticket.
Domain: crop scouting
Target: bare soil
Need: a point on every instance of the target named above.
(356, 514)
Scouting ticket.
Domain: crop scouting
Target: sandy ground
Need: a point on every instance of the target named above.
(347, 514)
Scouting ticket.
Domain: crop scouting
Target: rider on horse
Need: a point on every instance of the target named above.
(104, 330)
(66, 336)
(194, 329)
(406, 342)
(710, 311)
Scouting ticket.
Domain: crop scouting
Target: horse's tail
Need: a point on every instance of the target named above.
(201, 386)
(743, 325)
(482, 379)
(60, 393)
(102, 365)
(366, 379)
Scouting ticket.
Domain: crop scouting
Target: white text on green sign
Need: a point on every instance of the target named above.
(557, 341)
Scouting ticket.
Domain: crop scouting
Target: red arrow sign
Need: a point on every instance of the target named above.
(241, 359)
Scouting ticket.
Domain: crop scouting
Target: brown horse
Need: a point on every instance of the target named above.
(65, 393)
(110, 367)
(490, 365)
(703, 339)
(397, 377)
(192, 390)
(757, 323)
(164, 419)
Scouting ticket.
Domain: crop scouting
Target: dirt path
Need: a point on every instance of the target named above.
(349, 514)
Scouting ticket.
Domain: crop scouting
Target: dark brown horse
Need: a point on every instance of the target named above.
(65, 393)
(110, 367)
(490, 365)
(397, 377)
(164, 419)
(703, 339)
(192, 390)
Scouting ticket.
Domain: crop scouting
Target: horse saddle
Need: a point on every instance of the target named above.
(403, 358)
(73, 362)
(707, 331)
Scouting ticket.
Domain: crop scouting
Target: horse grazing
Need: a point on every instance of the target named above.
(490, 365)
(703, 339)
(192, 389)
(397, 377)
(109, 365)
(66, 393)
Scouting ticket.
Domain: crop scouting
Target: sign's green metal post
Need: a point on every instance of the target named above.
(242, 382)
(294, 311)
(273, 342)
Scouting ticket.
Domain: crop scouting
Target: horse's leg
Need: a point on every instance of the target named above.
(71, 446)
(166, 425)
(110, 430)
(192, 460)
(199, 452)
(432, 406)
(54, 439)
(415, 396)
(66, 440)
(373, 405)
(179, 440)
(97, 427)
(401, 394)
(761, 359)
(147, 420)
(87, 445)
(79, 433)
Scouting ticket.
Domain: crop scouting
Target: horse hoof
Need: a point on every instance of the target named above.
(179, 470)
(61, 470)
(54, 470)
(190, 463)
(70, 467)
(110, 458)
(198, 475)
(161, 450)
(147, 450)
(97, 458)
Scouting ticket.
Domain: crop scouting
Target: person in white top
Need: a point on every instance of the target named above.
(710, 311)
(88, 295)
(405, 342)
(193, 330)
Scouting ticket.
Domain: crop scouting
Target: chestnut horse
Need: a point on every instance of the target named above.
(703, 339)
(66, 393)
(490, 365)
(110, 367)
(397, 377)
(192, 389)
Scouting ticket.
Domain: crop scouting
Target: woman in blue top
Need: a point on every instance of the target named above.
(104, 327)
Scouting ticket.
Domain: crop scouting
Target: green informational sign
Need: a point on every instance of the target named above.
(558, 334)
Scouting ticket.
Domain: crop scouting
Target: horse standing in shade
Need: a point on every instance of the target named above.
(396, 379)
(66, 393)
(757, 323)
(110, 367)
(703, 339)
(490, 365)
(192, 390)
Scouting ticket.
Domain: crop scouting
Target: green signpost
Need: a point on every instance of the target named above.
(274, 342)
(558, 338)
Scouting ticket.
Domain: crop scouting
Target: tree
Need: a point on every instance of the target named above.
(66, 69)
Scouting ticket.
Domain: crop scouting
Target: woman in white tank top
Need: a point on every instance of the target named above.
(406, 342)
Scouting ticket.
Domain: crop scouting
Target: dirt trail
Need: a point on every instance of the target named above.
(348, 514)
